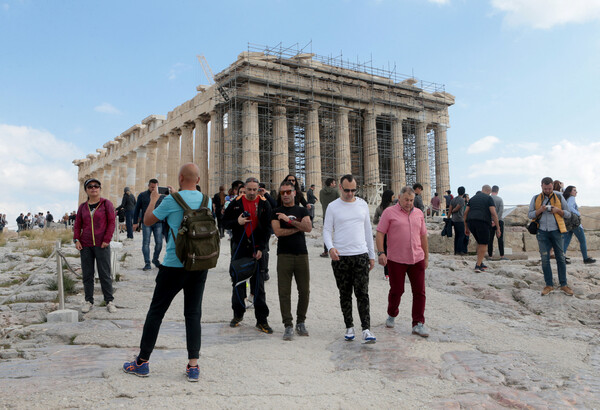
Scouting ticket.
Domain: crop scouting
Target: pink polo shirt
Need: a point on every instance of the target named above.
(404, 231)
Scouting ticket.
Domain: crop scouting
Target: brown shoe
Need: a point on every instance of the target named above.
(567, 290)
(547, 290)
(324, 255)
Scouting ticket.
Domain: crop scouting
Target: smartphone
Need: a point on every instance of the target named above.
(163, 190)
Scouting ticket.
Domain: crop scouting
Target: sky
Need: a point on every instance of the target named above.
(525, 74)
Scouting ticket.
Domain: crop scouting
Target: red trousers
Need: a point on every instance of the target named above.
(416, 275)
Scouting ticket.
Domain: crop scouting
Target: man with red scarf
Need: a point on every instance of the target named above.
(249, 218)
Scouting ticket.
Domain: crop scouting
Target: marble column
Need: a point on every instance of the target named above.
(280, 146)
(114, 182)
(442, 167)
(370, 150)
(398, 167)
(187, 143)
(150, 161)
(343, 164)
(250, 141)
(173, 159)
(313, 149)
(216, 159)
(122, 177)
(422, 159)
(161, 159)
(82, 194)
(201, 151)
(131, 163)
(229, 174)
(106, 181)
(140, 170)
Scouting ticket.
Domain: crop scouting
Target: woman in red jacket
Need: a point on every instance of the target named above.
(94, 227)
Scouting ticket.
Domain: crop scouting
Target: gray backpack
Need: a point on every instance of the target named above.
(198, 242)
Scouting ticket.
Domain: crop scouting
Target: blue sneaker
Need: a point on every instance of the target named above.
(141, 370)
(193, 373)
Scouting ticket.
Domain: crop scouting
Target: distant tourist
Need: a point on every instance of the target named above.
(218, 202)
(570, 194)
(456, 213)
(407, 254)
(387, 200)
(480, 215)
(348, 235)
(435, 205)
(141, 205)
(312, 200)
(49, 219)
(94, 227)
(418, 189)
(499, 204)
(548, 209)
(327, 194)
(448, 198)
(128, 205)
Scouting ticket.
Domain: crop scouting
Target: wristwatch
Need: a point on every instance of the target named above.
(380, 253)
(75, 240)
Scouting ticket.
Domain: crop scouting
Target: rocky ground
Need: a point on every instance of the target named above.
(495, 342)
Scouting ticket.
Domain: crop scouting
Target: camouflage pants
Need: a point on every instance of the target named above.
(352, 273)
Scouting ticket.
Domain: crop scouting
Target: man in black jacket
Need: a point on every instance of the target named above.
(249, 218)
(128, 204)
(143, 200)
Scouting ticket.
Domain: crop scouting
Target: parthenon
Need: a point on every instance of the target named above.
(279, 111)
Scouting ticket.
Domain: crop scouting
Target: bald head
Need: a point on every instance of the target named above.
(486, 189)
(189, 175)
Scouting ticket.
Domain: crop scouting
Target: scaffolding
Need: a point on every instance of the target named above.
(298, 80)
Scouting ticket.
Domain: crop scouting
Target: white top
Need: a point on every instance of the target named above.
(347, 228)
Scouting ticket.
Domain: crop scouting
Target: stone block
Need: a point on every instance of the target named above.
(440, 244)
(63, 316)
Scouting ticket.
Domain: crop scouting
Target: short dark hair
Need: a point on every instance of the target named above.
(329, 181)
(435, 194)
(495, 188)
(236, 183)
(417, 185)
(547, 181)
(153, 181)
(288, 183)
(461, 190)
(347, 177)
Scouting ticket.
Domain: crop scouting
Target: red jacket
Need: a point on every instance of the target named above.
(93, 233)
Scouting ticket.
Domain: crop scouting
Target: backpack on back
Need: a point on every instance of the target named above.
(198, 242)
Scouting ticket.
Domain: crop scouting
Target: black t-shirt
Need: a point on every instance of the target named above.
(293, 244)
(479, 207)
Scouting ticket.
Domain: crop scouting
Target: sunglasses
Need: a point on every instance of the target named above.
(346, 190)
(289, 192)
(291, 180)
(93, 186)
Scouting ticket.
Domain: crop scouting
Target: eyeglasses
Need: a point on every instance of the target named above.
(346, 190)
(289, 192)
(93, 186)
(291, 180)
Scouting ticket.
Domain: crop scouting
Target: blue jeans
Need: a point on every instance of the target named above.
(580, 237)
(147, 231)
(546, 241)
(129, 223)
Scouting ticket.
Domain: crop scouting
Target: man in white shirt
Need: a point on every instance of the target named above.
(348, 237)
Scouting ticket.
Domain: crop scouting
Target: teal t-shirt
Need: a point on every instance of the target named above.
(169, 209)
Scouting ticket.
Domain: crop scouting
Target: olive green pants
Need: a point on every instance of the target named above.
(295, 266)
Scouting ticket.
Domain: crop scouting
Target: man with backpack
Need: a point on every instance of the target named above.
(174, 274)
(249, 218)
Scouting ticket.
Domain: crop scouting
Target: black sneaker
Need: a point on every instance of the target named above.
(147, 267)
(235, 322)
(264, 327)
(589, 260)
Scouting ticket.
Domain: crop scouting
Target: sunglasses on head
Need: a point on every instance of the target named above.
(288, 192)
(92, 186)
(346, 190)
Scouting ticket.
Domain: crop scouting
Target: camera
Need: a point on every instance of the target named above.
(549, 208)
(163, 190)
(246, 214)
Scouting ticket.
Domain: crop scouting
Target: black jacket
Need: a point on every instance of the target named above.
(128, 202)
(143, 200)
(261, 233)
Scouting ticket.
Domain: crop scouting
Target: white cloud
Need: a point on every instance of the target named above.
(519, 176)
(545, 14)
(107, 108)
(483, 145)
(177, 69)
(36, 172)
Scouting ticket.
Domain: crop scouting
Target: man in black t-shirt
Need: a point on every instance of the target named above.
(290, 221)
(480, 213)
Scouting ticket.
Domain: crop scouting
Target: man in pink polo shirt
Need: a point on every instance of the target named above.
(407, 253)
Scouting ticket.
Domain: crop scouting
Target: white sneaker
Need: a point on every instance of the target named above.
(390, 322)
(349, 336)
(111, 307)
(368, 337)
(86, 307)
(420, 330)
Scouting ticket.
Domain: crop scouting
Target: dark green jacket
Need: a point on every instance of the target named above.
(328, 195)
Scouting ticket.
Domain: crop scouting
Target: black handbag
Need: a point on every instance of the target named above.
(532, 228)
(242, 269)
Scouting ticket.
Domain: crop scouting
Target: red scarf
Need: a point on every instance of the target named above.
(252, 208)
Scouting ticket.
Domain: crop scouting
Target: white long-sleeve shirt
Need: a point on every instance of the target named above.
(347, 228)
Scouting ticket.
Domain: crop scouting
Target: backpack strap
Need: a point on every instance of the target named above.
(180, 201)
(204, 203)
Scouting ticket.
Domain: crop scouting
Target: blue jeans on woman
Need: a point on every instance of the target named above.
(580, 237)
(546, 241)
